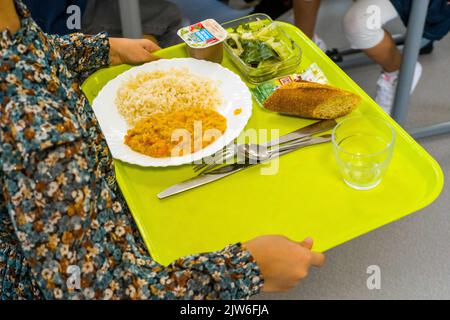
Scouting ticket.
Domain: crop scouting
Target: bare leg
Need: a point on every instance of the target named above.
(305, 15)
(386, 54)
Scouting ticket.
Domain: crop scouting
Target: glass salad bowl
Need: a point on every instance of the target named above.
(260, 49)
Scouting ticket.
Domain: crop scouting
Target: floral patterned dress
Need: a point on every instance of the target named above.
(60, 207)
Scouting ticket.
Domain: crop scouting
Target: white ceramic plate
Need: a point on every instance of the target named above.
(234, 92)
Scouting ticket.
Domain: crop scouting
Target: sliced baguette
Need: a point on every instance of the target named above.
(312, 100)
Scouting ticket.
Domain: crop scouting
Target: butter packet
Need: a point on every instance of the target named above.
(313, 74)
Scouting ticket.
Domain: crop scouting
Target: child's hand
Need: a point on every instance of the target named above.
(131, 51)
(283, 263)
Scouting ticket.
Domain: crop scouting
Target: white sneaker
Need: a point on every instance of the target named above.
(387, 86)
(320, 43)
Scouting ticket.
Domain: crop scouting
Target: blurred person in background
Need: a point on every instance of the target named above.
(161, 19)
(373, 40)
(305, 15)
(52, 15)
(379, 45)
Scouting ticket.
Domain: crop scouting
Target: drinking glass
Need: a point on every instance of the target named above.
(363, 147)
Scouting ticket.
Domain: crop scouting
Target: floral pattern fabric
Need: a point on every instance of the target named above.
(60, 206)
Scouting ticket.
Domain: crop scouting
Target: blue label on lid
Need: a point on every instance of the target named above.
(204, 35)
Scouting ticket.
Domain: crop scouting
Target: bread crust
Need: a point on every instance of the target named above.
(312, 100)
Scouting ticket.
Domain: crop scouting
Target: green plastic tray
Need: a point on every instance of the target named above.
(306, 198)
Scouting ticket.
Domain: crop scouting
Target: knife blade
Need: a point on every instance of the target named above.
(195, 182)
(228, 170)
(315, 128)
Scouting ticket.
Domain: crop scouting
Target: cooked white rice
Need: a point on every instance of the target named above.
(149, 93)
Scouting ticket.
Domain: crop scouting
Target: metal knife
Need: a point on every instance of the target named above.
(315, 128)
(228, 170)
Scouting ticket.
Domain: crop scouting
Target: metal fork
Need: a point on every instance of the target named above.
(220, 157)
(281, 150)
(230, 151)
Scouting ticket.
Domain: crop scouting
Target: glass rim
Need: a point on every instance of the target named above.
(338, 147)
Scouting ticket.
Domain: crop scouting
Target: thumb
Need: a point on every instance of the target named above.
(153, 57)
(307, 243)
(147, 57)
(149, 45)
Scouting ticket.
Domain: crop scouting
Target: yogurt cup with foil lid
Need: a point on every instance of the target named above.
(204, 40)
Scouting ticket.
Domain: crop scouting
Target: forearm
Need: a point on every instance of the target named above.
(64, 215)
(305, 15)
(83, 54)
(230, 273)
(59, 228)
